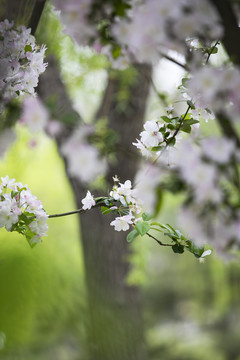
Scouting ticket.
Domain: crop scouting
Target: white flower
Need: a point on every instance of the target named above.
(122, 222)
(145, 152)
(204, 254)
(88, 201)
(124, 193)
(7, 182)
(151, 136)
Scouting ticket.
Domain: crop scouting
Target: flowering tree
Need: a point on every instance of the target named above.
(176, 156)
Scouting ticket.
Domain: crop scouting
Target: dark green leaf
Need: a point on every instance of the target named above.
(177, 248)
(186, 128)
(190, 122)
(171, 127)
(190, 103)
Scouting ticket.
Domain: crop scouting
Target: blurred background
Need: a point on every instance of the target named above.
(191, 310)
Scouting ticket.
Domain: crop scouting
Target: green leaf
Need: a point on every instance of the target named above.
(146, 216)
(166, 119)
(171, 141)
(105, 210)
(169, 226)
(156, 148)
(13, 193)
(190, 122)
(197, 251)
(132, 235)
(186, 128)
(213, 50)
(121, 7)
(116, 51)
(142, 227)
(191, 104)
(28, 48)
(158, 201)
(171, 127)
(178, 249)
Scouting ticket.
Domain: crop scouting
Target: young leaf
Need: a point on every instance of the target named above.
(132, 235)
(146, 217)
(105, 210)
(142, 227)
(166, 119)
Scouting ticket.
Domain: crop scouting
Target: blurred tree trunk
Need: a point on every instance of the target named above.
(115, 326)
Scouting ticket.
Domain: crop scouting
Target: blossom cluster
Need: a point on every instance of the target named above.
(21, 62)
(128, 207)
(128, 200)
(74, 15)
(206, 169)
(167, 24)
(216, 89)
(84, 160)
(21, 211)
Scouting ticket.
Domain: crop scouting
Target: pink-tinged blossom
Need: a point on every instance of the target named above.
(16, 200)
(167, 26)
(88, 202)
(84, 160)
(124, 193)
(74, 15)
(218, 149)
(121, 223)
(147, 179)
(21, 62)
(35, 115)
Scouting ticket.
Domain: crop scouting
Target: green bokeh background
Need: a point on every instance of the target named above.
(41, 289)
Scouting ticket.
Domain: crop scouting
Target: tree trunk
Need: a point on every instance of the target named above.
(115, 326)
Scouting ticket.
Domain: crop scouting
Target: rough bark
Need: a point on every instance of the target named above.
(115, 326)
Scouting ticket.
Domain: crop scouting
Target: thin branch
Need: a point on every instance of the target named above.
(183, 66)
(210, 52)
(158, 241)
(179, 127)
(78, 211)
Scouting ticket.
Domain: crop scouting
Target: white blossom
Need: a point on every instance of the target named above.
(122, 222)
(88, 202)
